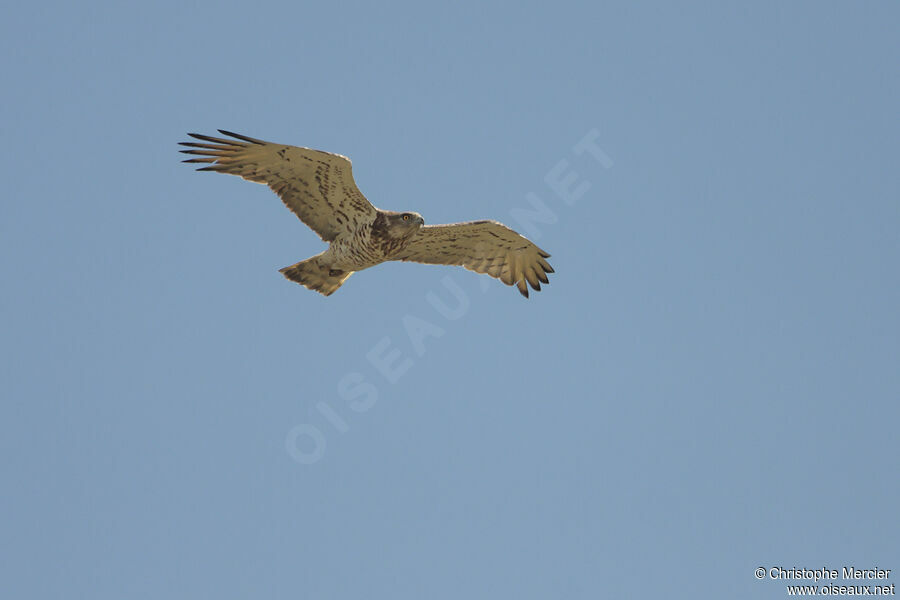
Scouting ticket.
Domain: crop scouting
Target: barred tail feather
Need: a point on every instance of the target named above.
(315, 274)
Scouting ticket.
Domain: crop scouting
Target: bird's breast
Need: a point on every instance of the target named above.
(355, 251)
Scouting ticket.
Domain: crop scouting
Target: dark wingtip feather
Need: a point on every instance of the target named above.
(241, 137)
(208, 146)
(207, 138)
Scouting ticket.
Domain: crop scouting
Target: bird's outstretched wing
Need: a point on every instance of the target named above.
(484, 247)
(317, 186)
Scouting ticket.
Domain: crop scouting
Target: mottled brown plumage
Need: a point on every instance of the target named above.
(318, 187)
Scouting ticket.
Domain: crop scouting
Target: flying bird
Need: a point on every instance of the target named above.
(318, 187)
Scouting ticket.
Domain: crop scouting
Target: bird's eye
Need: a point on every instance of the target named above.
(406, 217)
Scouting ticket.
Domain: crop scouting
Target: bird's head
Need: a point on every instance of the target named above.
(403, 224)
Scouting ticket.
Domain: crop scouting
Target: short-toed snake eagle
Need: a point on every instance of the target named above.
(318, 187)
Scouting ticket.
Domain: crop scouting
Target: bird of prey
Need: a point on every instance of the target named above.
(318, 187)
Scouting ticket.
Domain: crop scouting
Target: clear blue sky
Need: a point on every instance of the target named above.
(709, 384)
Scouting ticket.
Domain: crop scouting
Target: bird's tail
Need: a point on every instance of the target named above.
(316, 274)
